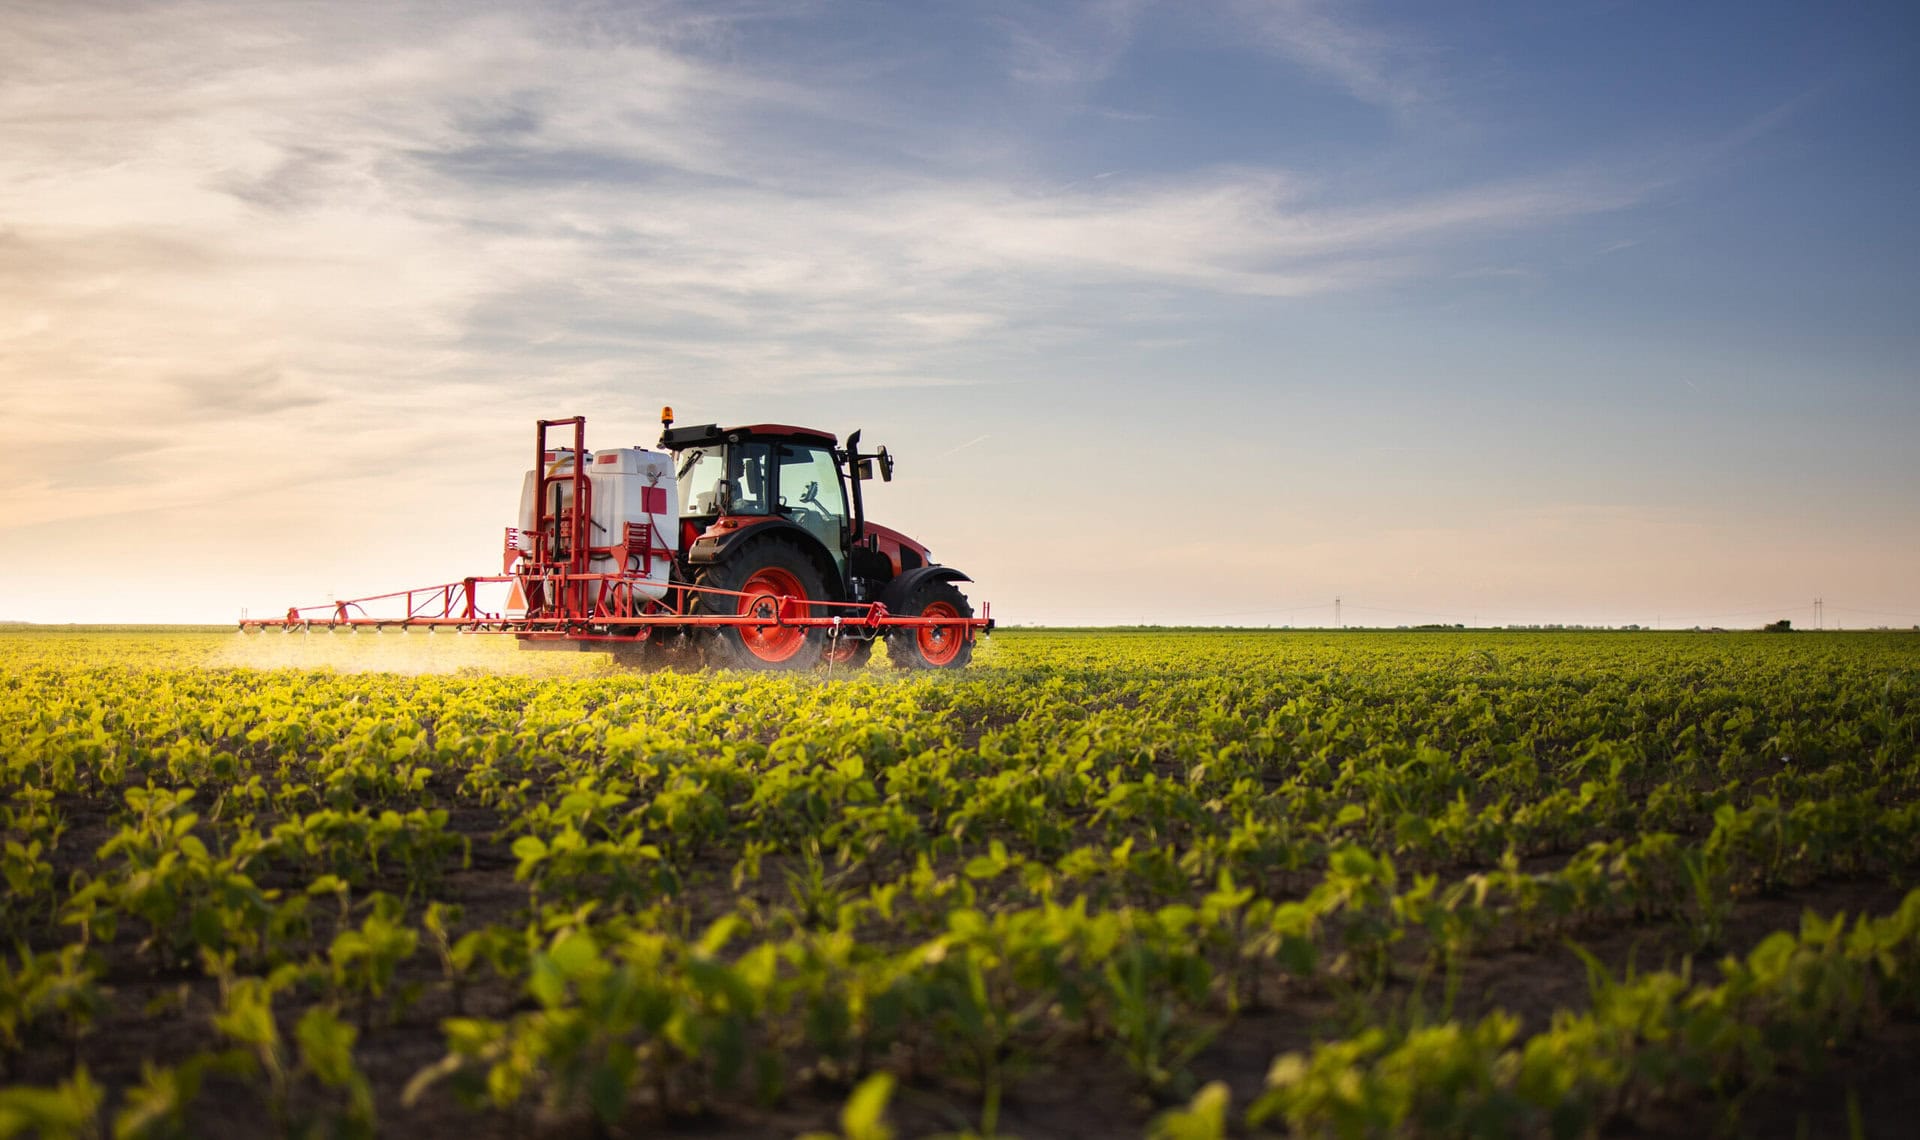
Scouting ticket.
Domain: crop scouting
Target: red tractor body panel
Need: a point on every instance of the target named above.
(903, 552)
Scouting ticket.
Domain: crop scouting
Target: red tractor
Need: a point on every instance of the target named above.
(750, 544)
(769, 511)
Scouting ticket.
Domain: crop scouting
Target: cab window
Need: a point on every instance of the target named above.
(811, 495)
(748, 486)
(703, 477)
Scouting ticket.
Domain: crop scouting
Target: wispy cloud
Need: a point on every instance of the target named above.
(1068, 45)
(1372, 64)
(214, 216)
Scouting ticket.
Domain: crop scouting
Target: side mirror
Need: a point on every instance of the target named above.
(886, 466)
(863, 469)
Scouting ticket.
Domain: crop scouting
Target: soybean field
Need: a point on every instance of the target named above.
(1169, 884)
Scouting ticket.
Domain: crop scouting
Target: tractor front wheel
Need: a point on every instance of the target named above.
(933, 646)
(761, 575)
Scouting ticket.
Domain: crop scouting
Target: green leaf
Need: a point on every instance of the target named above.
(326, 1046)
(863, 1117)
(1204, 1117)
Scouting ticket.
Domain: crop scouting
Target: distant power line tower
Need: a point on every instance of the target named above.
(1819, 613)
(1336, 614)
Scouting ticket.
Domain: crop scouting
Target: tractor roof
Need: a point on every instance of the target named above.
(705, 435)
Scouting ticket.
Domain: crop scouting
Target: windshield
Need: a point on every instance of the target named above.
(731, 480)
(703, 474)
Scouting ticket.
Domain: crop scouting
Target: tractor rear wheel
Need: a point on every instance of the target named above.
(933, 646)
(762, 574)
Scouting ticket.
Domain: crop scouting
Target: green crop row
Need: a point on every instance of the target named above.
(608, 894)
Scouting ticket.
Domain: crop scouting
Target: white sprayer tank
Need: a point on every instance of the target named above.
(630, 485)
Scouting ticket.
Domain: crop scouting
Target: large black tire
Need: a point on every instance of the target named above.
(767, 568)
(935, 648)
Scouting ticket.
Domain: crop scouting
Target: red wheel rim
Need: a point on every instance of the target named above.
(840, 650)
(939, 644)
(763, 593)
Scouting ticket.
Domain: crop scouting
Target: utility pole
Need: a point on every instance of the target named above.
(1337, 624)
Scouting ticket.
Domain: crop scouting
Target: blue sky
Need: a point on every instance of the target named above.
(1588, 312)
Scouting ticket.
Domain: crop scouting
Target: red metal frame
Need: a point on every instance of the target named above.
(565, 601)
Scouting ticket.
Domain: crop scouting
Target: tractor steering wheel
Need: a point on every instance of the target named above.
(810, 499)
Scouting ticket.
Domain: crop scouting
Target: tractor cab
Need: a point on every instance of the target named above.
(734, 479)
(745, 475)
